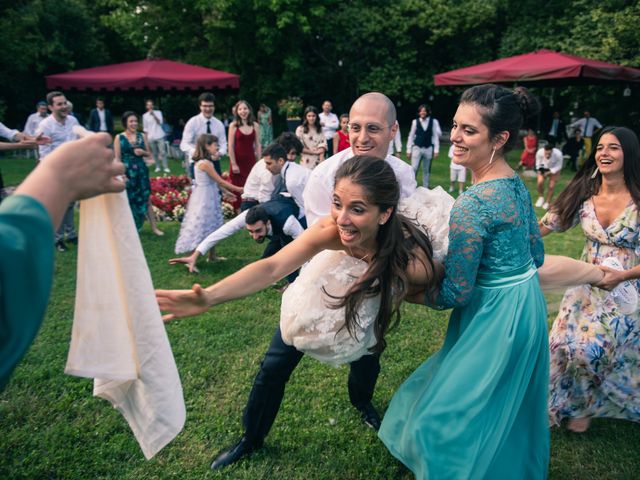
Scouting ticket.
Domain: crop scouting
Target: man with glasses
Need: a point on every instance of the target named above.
(204, 122)
(372, 126)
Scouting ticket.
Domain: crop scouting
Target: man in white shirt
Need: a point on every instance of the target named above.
(260, 183)
(423, 144)
(152, 125)
(204, 122)
(275, 220)
(587, 124)
(372, 121)
(259, 186)
(548, 165)
(292, 178)
(329, 123)
(372, 126)
(59, 128)
(31, 125)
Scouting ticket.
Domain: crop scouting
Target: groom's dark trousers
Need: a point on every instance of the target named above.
(276, 368)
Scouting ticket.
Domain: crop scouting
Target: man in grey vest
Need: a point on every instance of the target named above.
(423, 143)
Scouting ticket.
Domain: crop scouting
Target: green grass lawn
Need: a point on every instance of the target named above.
(52, 428)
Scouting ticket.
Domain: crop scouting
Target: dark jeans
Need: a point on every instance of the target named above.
(277, 366)
(329, 151)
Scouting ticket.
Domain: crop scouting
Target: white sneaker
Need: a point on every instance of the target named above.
(166, 170)
(545, 205)
(450, 189)
(539, 202)
(624, 294)
(157, 169)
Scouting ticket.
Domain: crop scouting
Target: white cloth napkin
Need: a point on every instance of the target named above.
(118, 336)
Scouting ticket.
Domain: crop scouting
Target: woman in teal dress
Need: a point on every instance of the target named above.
(131, 146)
(478, 407)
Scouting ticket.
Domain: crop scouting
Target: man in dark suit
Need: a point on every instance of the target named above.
(100, 119)
(557, 131)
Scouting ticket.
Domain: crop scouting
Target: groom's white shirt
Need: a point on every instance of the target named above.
(317, 193)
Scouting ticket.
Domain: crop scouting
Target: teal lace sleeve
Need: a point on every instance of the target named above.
(466, 240)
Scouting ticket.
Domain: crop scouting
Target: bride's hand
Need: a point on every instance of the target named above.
(611, 278)
(182, 303)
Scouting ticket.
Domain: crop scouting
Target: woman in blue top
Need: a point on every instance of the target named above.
(478, 407)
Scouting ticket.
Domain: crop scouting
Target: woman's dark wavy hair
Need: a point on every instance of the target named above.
(397, 239)
(305, 123)
(503, 109)
(582, 186)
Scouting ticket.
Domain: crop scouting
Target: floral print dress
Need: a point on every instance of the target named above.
(311, 140)
(595, 349)
(138, 184)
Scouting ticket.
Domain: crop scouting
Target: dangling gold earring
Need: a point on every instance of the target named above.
(492, 154)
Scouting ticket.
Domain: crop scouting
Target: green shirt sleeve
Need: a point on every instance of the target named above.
(26, 275)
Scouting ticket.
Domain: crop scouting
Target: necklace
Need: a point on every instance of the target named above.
(361, 259)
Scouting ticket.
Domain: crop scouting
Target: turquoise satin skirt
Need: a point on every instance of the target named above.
(478, 407)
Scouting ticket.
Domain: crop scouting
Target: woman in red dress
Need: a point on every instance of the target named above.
(244, 145)
(528, 157)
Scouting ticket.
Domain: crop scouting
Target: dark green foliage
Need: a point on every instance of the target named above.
(314, 49)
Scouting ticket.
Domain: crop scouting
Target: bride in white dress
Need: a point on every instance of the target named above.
(368, 258)
(307, 319)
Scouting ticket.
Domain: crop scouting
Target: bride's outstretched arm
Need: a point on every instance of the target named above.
(252, 278)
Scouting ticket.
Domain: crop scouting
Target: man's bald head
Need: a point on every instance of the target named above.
(380, 102)
(372, 125)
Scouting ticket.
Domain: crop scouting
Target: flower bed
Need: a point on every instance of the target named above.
(170, 195)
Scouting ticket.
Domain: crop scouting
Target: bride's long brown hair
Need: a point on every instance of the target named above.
(397, 239)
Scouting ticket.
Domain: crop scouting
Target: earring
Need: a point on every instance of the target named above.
(595, 173)
(492, 154)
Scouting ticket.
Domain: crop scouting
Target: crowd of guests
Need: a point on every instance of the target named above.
(547, 157)
(482, 405)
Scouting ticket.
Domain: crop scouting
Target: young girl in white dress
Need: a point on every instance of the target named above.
(204, 210)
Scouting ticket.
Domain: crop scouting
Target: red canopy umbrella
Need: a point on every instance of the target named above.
(540, 67)
(144, 75)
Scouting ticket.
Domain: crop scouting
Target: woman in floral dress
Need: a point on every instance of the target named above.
(595, 346)
(314, 144)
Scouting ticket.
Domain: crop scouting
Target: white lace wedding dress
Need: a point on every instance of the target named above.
(307, 320)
